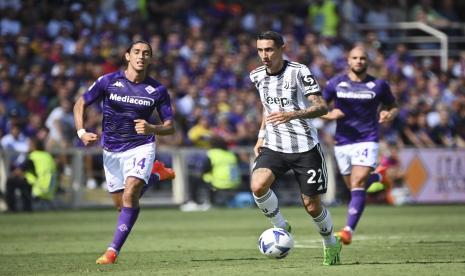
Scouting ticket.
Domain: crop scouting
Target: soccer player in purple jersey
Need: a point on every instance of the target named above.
(129, 98)
(287, 139)
(357, 97)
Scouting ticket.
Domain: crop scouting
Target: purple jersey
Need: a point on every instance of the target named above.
(359, 101)
(123, 102)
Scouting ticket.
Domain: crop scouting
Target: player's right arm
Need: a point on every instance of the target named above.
(328, 95)
(88, 138)
(261, 137)
(94, 93)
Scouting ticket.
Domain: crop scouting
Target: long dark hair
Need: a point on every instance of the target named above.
(128, 50)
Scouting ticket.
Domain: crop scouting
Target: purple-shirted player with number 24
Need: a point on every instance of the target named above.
(357, 97)
(129, 98)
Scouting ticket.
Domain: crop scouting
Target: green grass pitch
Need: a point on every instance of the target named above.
(414, 240)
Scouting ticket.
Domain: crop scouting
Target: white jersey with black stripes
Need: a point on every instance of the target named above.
(287, 90)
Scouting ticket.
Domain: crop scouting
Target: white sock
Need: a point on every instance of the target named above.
(269, 206)
(347, 228)
(325, 227)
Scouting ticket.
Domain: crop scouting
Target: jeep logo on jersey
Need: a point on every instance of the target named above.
(277, 100)
(308, 80)
(137, 100)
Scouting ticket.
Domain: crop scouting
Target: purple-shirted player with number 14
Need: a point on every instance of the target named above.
(129, 98)
(357, 97)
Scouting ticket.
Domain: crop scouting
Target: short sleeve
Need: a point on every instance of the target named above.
(308, 82)
(96, 91)
(329, 91)
(164, 106)
(387, 98)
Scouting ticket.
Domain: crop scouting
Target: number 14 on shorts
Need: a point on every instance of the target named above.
(140, 163)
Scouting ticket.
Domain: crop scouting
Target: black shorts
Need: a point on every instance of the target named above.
(309, 168)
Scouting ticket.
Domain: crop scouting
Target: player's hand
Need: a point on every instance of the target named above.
(277, 118)
(142, 127)
(334, 114)
(89, 138)
(337, 113)
(385, 116)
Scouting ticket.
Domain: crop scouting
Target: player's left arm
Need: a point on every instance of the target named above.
(165, 113)
(389, 110)
(145, 128)
(310, 88)
(317, 109)
(388, 113)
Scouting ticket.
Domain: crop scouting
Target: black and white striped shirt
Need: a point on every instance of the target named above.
(287, 90)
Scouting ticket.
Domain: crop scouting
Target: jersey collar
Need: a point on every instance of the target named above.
(285, 63)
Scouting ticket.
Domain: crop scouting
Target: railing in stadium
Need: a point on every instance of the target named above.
(434, 35)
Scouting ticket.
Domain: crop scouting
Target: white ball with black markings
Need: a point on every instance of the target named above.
(275, 243)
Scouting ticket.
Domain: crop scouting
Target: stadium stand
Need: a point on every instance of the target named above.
(51, 51)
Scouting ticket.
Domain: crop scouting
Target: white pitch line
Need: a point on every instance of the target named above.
(309, 243)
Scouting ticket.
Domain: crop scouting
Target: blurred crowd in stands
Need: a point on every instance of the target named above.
(52, 51)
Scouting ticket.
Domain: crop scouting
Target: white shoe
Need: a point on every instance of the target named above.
(205, 206)
(91, 183)
(189, 206)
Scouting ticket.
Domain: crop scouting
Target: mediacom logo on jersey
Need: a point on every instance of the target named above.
(137, 100)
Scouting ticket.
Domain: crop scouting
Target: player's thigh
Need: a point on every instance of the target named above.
(310, 170)
(364, 154)
(261, 180)
(343, 159)
(113, 171)
(268, 166)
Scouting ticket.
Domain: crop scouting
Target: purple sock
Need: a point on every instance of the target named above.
(374, 177)
(126, 220)
(356, 206)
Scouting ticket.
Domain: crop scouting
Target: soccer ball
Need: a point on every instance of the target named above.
(275, 243)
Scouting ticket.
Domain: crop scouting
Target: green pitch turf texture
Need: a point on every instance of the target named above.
(416, 240)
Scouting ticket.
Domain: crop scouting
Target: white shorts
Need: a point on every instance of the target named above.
(361, 154)
(136, 162)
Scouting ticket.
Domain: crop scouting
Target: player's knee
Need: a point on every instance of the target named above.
(259, 189)
(357, 183)
(312, 205)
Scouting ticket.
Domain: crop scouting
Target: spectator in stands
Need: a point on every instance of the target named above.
(60, 122)
(414, 132)
(378, 16)
(443, 134)
(16, 144)
(323, 17)
(35, 178)
(424, 12)
(220, 174)
(201, 133)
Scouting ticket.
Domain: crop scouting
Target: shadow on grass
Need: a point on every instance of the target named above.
(227, 259)
(406, 262)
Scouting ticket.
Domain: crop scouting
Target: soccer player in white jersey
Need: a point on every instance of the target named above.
(129, 98)
(287, 140)
(357, 97)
